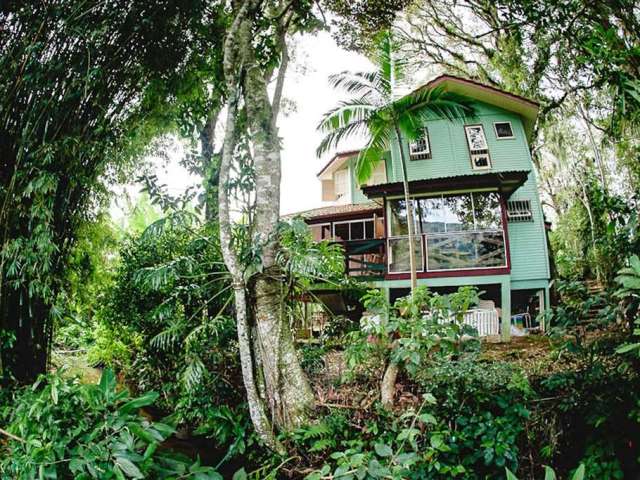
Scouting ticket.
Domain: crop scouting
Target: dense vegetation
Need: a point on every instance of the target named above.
(164, 346)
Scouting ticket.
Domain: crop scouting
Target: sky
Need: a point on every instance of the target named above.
(306, 87)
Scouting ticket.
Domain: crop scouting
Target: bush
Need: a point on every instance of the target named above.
(72, 430)
(165, 324)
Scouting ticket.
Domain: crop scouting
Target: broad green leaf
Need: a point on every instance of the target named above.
(628, 347)
(107, 382)
(240, 475)
(549, 474)
(129, 468)
(579, 473)
(146, 399)
(383, 450)
(510, 476)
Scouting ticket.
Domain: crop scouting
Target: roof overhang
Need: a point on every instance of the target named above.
(505, 182)
(336, 163)
(525, 107)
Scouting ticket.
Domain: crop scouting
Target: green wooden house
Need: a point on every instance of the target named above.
(479, 219)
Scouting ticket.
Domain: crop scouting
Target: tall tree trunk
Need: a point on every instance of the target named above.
(270, 365)
(289, 395)
(410, 215)
(388, 385)
(233, 71)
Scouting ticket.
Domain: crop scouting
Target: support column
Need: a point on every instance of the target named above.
(505, 327)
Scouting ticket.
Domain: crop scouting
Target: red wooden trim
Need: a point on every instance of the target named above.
(505, 229)
(508, 182)
(443, 78)
(348, 153)
(451, 273)
(338, 217)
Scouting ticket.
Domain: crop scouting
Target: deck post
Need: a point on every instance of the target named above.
(505, 287)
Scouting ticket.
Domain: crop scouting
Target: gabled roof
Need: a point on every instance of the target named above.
(525, 107)
(335, 163)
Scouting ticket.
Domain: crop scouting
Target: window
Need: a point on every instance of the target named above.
(321, 231)
(461, 231)
(519, 211)
(341, 178)
(503, 130)
(478, 149)
(354, 230)
(421, 148)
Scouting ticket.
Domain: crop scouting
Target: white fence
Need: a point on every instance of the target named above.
(486, 322)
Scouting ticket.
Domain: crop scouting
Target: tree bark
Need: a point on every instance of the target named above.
(388, 385)
(233, 72)
(289, 394)
(270, 366)
(410, 215)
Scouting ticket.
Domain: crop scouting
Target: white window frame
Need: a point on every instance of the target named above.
(466, 134)
(480, 151)
(345, 197)
(495, 130)
(519, 211)
(415, 154)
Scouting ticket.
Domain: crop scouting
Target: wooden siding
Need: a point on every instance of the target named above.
(450, 154)
(450, 158)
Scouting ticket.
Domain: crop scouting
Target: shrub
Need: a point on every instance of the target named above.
(73, 430)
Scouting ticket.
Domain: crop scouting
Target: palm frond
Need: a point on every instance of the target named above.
(430, 103)
(193, 374)
(368, 83)
(389, 67)
(373, 153)
(333, 138)
(347, 110)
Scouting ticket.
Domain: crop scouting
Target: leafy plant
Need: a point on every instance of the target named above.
(408, 333)
(64, 429)
(629, 281)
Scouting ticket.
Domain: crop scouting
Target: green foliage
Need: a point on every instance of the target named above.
(71, 430)
(577, 306)
(410, 332)
(431, 441)
(551, 475)
(629, 281)
(165, 320)
(84, 91)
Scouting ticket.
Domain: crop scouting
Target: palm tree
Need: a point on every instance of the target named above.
(375, 113)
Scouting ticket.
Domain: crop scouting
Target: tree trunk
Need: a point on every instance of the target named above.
(388, 385)
(410, 215)
(270, 365)
(289, 395)
(233, 68)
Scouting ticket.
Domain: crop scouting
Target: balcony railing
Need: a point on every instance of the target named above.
(435, 252)
(365, 258)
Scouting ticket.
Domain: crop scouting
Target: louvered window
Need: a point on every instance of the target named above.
(519, 211)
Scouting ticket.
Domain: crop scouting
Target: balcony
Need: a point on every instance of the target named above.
(449, 252)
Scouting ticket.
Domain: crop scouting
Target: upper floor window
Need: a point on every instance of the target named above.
(420, 149)
(503, 130)
(478, 148)
(341, 185)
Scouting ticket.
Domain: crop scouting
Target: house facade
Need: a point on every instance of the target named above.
(479, 218)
